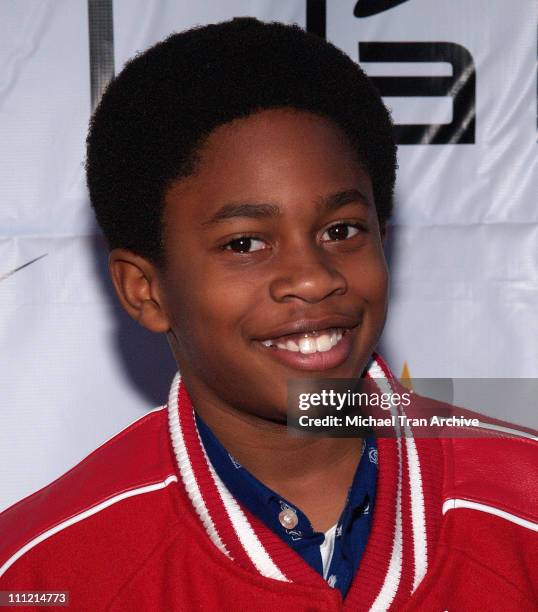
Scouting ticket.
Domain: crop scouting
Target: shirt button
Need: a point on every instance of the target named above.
(288, 518)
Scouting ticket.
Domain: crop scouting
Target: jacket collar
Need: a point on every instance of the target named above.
(399, 547)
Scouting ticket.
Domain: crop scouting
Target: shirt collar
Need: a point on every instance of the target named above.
(265, 503)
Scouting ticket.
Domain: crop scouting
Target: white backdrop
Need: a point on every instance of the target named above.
(463, 247)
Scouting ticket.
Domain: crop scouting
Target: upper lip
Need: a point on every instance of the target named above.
(305, 325)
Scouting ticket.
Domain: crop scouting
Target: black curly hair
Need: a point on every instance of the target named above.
(156, 113)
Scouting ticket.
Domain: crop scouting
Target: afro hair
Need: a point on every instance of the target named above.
(157, 112)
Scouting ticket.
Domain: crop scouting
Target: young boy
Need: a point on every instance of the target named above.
(243, 175)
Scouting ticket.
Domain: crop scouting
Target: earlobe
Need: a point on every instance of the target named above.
(136, 282)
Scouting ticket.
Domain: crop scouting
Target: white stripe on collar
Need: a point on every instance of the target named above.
(418, 515)
(185, 467)
(393, 576)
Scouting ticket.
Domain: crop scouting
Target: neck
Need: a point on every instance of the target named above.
(314, 474)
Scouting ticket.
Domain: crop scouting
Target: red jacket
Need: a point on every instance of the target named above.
(143, 523)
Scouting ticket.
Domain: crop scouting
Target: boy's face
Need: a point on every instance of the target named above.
(273, 241)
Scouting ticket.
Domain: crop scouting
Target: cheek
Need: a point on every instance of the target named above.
(380, 281)
(209, 314)
(369, 278)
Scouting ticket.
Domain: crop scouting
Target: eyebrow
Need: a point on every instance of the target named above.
(335, 201)
(243, 209)
(251, 210)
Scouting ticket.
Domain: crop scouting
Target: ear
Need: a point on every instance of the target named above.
(136, 281)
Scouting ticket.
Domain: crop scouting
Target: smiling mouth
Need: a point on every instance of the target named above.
(308, 343)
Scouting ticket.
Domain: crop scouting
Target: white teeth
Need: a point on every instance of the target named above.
(292, 346)
(323, 343)
(315, 342)
(307, 345)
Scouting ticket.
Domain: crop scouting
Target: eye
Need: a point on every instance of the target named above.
(245, 244)
(340, 231)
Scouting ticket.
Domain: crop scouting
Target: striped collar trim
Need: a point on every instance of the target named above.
(395, 560)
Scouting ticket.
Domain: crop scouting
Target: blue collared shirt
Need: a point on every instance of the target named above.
(352, 529)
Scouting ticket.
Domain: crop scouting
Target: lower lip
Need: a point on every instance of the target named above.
(314, 361)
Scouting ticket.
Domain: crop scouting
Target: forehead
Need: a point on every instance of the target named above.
(284, 157)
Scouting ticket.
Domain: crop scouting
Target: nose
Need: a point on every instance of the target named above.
(307, 275)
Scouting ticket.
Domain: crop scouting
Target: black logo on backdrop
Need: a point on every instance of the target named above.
(21, 267)
(101, 39)
(366, 8)
(316, 17)
(461, 87)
